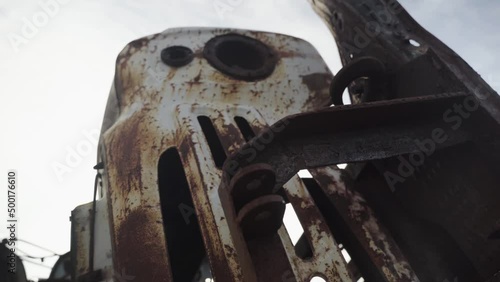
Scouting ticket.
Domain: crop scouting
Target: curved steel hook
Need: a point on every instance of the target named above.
(362, 67)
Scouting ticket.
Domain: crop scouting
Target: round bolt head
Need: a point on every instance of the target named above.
(251, 182)
(262, 216)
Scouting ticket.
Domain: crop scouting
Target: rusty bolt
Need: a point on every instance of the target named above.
(252, 182)
(262, 216)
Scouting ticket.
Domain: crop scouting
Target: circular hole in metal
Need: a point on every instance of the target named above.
(318, 279)
(177, 56)
(414, 43)
(240, 56)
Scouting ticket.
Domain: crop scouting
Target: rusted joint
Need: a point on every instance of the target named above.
(369, 67)
(262, 216)
(250, 183)
(259, 211)
(300, 145)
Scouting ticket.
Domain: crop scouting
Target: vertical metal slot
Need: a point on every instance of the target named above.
(183, 236)
(296, 233)
(245, 128)
(358, 264)
(218, 153)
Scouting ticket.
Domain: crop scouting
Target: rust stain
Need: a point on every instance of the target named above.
(317, 82)
(318, 85)
(124, 150)
(210, 234)
(363, 223)
(139, 260)
(148, 99)
(139, 246)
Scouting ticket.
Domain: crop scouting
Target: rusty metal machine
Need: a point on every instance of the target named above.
(206, 129)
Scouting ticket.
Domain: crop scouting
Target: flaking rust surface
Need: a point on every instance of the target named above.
(158, 107)
(361, 219)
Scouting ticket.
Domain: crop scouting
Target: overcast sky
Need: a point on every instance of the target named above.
(55, 78)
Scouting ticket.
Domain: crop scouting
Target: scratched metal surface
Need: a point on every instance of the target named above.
(368, 136)
(384, 30)
(153, 107)
(80, 224)
(371, 233)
